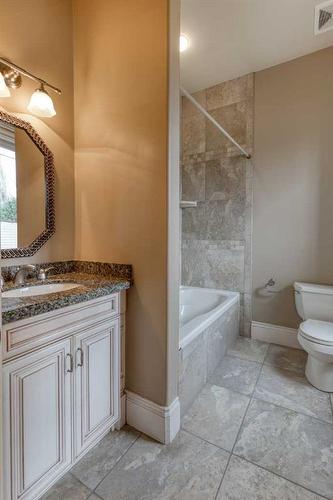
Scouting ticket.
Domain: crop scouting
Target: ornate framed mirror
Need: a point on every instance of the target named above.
(27, 211)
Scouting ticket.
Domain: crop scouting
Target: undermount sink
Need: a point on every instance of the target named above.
(30, 291)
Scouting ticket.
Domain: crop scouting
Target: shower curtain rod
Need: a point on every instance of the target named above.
(214, 122)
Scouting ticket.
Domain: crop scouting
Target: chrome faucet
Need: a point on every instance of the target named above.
(19, 279)
(42, 274)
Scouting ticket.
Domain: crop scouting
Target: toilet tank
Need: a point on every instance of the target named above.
(314, 301)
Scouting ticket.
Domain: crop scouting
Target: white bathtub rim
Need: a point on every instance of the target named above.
(208, 318)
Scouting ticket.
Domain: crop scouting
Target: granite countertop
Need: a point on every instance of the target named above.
(95, 280)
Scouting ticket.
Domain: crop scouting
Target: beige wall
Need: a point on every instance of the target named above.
(121, 121)
(293, 192)
(37, 35)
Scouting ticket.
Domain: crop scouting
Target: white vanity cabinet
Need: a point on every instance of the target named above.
(61, 391)
(37, 419)
(97, 379)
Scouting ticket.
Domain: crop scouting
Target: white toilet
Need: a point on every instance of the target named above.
(314, 304)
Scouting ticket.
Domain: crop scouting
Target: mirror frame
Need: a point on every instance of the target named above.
(49, 173)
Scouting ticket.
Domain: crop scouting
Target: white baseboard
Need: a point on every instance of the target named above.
(274, 334)
(159, 422)
(122, 421)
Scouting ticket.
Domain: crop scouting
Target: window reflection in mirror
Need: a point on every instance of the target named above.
(22, 188)
(8, 191)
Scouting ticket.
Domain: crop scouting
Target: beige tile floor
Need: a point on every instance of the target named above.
(257, 431)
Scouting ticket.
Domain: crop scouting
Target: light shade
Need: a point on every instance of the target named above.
(184, 43)
(4, 90)
(41, 104)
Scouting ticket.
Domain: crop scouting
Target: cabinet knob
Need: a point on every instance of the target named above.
(71, 364)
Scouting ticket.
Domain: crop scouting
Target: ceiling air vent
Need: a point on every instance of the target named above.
(324, 17)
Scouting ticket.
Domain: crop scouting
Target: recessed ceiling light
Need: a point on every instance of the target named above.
(184, 43)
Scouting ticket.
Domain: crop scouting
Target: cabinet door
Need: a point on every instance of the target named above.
(37, 420)
(97, 374)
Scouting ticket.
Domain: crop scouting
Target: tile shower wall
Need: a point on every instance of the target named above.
(216, 236)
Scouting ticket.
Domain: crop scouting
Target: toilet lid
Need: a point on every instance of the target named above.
(317, 331)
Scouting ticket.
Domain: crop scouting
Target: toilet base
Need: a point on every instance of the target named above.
(319, 374)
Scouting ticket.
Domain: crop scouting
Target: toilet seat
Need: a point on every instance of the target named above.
(319, 332)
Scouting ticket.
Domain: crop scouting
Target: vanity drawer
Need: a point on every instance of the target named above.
(25, 335)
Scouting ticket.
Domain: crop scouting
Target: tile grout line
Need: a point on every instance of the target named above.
(280, 406)
(249, 395)
(290, 409)
(232, 449)
(93, 490)
(330, 395)
(243, 359)
(263, 364)
(233, 356)
(266, 354)
(93, 493)
(239, 431)
(130, 446)
(252, 398)
(257, 398)
(220, 447)
(278, 366)
(205, 440)
(259, 375)
(229, 389)
(76, 479)
(236, 439)
(295, 372)
(279, 475)
(232, 453)
(223, 475)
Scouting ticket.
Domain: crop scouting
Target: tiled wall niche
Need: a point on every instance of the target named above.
(216, 236)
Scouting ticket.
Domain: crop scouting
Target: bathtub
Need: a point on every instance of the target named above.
(209, 325)
(199, 308)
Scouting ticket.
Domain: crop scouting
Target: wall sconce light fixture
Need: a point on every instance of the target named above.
(4, 90)
(40, 102)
